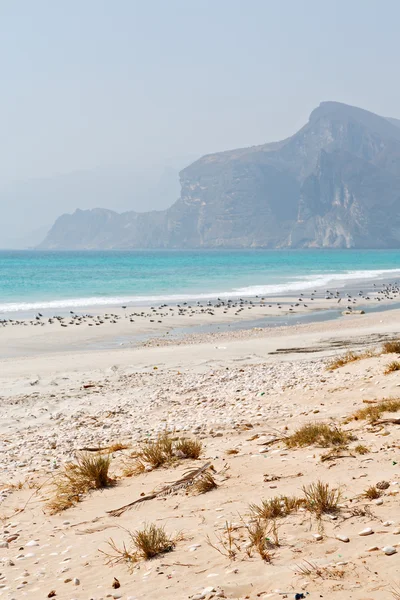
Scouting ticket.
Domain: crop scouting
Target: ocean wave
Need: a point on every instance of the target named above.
(300, 283)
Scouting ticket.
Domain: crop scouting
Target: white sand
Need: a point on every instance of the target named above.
(229, 391)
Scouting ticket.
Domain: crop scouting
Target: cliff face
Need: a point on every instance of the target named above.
(335, 183)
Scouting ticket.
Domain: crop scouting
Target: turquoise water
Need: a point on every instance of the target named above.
(51, 280)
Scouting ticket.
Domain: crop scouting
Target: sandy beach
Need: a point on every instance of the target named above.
(240, 393)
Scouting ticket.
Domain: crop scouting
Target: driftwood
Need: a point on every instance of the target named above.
(185, 481)
(333, 456)
(387, 421)
(88, 449)
(371, 401)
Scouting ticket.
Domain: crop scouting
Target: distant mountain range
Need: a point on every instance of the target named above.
(335, 184)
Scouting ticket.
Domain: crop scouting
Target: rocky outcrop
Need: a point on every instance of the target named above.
(335, 183)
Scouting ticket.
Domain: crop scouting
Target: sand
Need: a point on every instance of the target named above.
(238, 392)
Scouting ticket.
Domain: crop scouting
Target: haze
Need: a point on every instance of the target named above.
(104, 102)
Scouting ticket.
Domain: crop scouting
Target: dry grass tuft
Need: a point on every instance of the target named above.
(259, 533)
(361, 449)
(372, 493)
(152, 541)
(161, 452)
(374, 411)
(132, 469)
(349, 357)
(320, 498)
(391, 367)
(205, 483)
(310, 569)
(227, 543)
(145, 544)
(90, 472)
(392, 347)
(189, 448)
(276, 507)
(318, 434)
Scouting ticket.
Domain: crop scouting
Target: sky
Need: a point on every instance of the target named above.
(104, 89)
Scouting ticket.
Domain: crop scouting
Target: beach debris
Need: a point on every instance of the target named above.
(187, 480)
(382, 485)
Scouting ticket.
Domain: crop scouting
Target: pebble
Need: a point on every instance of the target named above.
(3, 544)
(31, 544)
(11, 538)
(379, 501)
(366, 531)
(389, 550)
(317, 536)
(372, 548)
(76, 581)
(343, 538)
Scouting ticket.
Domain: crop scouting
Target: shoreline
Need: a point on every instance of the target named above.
(132, 327)
(347, 281)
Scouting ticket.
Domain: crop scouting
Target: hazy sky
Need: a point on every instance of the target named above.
(88, 84)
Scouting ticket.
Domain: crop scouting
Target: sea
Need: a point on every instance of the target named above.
(58, 281)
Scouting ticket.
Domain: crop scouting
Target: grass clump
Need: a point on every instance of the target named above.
(349, 357)
(189, 448)
(361, 449)
(392, 347)
(374, 411)
(391, 367)
(276, 507)
(151, 541)
(162, 451)
(318, 434)
(263, 538)
(205, 483)
(227, 543)
(132, 469)
(156, 454)
(372, 493)
(90, 472)
(310, 569)
(144, 544)
(319, 498)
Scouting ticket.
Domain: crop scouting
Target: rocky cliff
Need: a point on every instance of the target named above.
(334, 183)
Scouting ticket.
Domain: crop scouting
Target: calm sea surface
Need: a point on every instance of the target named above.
(31, 280)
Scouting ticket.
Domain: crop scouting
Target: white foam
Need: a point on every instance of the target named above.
(301, 283)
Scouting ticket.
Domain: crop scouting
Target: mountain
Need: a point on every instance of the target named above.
(335, 183)
(41, 200)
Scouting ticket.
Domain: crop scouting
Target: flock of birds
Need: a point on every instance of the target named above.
(157, 314)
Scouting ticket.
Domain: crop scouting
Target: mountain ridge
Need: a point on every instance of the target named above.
(334, 183)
